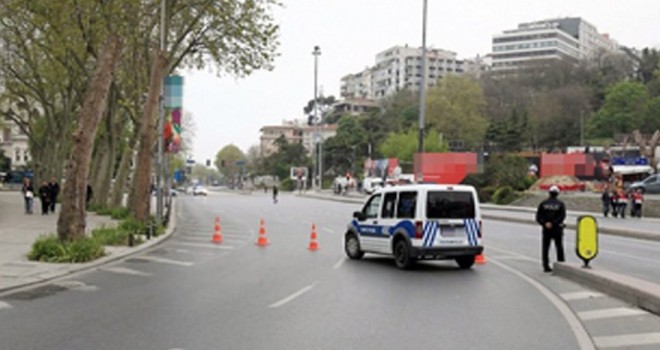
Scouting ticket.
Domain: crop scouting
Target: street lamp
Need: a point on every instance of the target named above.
(422, 94)
(317, 53)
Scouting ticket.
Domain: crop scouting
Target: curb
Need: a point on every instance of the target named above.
(77, 268)
(640, 293)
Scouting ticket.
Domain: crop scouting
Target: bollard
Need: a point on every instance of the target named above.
(150, 230)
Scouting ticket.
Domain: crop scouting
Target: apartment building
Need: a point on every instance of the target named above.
(398, 68)
(571, 38)
(14, 143)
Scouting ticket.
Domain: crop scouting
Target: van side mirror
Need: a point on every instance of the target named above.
(359, 216)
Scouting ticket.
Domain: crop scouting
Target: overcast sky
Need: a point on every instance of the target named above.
(351, 32)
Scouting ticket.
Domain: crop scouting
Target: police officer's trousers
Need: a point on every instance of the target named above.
(557, 237)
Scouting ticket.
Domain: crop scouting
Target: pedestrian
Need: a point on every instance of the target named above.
(614, 203)
(89, 195)
(605, 198)
(636, 205)
(44, 196)
(622, 202)
(28, 195)
(550, 215)
(275, 191)
(54, 191)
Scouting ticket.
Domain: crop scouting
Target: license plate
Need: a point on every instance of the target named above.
(449, 231)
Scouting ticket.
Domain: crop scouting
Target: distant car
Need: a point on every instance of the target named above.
(649, 185)
(200, 191)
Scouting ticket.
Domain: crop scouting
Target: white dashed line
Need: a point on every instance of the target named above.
(4, 305)
(627, 340)
(292, 296)
(165, 260)
(125, 271)
(339, 263)
(581, 295)
(328, 230)
(76, 285)
(610, 313)
(208, 245)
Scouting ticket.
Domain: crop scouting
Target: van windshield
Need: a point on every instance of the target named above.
(449, 205)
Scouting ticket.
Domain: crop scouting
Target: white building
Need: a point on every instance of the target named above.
(398, 68)
(15, 145)
(293, 132)
(570, 38)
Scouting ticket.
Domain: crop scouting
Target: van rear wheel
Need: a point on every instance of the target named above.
(402, 256)
(465, 262)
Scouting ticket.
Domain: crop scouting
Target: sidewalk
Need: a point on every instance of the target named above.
(18, 231)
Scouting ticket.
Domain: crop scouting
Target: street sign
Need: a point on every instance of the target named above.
(586, 245)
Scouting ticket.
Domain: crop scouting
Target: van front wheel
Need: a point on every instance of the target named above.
(465, 262)
(402, 255)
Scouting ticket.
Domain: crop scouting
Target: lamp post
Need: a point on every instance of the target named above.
(422, 95)
(317, 53)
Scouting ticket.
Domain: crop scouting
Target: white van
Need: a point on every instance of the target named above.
(416, 222)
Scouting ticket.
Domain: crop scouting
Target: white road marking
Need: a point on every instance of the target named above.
(581, 295)
(125, 270)
(4, 305)
(165, 260)
(628, 340)
(581, 335)
(339, 263)
(203, 245)
(328, 230)
(292, 296)
(512, 254)
(76, 285)
(610, 313)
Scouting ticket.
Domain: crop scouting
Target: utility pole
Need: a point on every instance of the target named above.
(422, 95)
(317, 138)
(159, 159)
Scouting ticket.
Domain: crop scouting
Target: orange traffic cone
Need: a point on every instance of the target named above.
(217, 236)
(480, 259)
(262, 241)
(313, 244)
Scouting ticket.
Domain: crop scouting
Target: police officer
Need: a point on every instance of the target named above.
(550, 215)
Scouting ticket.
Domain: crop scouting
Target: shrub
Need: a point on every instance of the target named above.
(287, 184)
(103, 210)
(120, 213)
(111, 236)
(50, 249)
(133, 226)
(508, 170)
(504, 195)
(486, 193)
(476, 180)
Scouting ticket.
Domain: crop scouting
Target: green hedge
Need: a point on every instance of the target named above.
(50, 249)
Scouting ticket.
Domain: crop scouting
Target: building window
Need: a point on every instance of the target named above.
(18, 155)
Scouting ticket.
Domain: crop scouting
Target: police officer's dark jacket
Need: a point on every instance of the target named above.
(551, 210)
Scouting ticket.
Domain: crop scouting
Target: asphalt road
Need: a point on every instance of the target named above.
(191, 294)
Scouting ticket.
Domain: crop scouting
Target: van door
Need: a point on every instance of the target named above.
(368, 229)
(387, 221)
(456, 215)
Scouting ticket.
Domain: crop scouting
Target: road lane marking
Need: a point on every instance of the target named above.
(581, 335)
(164, 260)
(202, 245)
(4, 305)
(339, 263)
(581, 295)
(512, 254)
(125, 271)
(610, 313)
(292, 296)
(614, 341)
(76, 285)
(328, 230)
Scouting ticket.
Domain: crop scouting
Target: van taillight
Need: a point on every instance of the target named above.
(419, 229)
(480, 228)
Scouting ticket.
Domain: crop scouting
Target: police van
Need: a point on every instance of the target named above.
(418, 222)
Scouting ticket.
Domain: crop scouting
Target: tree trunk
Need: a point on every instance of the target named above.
(141, 200)
(71, 222)
(122, 173)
